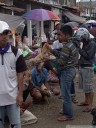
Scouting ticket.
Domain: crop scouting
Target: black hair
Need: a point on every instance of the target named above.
(5, 32)
(66, 29)
(42, 44)
(17, 34)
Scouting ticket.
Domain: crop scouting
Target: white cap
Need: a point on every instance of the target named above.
(57, 23)
(43, 38)
(3, 26)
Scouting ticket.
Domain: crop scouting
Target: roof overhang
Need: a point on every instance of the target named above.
(13, 21)
(73, 17)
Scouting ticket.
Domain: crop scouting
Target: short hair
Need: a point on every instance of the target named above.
(17, 34)
(66, 29)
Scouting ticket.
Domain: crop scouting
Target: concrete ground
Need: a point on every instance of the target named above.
(47, 114)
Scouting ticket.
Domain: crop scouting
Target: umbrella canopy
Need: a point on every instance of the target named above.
(72, 24)
(93, 31)
(86, 25)
(40, 15)
(91, 21)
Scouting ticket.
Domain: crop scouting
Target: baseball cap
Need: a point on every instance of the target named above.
(57, 23)
(4, 27)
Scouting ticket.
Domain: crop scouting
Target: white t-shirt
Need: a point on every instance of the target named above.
(8, 76)
(57, 45)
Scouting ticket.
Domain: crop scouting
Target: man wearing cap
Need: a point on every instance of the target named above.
(54, 36)
(12, 66)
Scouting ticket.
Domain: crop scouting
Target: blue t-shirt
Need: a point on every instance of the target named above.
(39, 78)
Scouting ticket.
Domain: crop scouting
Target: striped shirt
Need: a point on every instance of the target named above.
(68, 56)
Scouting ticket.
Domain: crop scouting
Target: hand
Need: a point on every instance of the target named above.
(19, 100)
(45, 59)
(26, 81)
(77, 44)
(47, 46)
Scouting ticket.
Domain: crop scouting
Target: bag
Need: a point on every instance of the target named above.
(28, 118)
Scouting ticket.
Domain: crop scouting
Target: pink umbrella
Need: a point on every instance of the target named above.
(40, 15)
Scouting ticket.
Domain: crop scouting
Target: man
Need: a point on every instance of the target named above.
(58, 46)
(23, 46)
(12, 66)
(53, 35)
(66, 60)
(40, 82)
(86, 71)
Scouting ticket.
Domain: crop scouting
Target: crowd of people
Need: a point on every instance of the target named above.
(70, 51)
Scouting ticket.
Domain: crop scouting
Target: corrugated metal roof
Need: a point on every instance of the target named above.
(11, 7)
(13, 21)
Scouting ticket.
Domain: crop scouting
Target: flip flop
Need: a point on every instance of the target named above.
(64, 118)
(74, 100)
(87, 110)
(61, 112)
(83, 104)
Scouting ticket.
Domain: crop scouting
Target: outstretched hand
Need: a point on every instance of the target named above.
(47, 47)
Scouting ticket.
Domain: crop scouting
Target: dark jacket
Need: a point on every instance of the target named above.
(87, 53)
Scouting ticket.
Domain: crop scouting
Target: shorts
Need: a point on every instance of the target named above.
(13, 113)
(86, 79)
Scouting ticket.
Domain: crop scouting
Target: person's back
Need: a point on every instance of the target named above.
(89, 55)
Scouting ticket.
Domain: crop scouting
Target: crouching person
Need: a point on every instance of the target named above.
(40, 82)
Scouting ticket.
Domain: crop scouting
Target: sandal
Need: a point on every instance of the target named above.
(83, 104)
(87, 110)
(61, 112)
(74, 100)
(64, 118)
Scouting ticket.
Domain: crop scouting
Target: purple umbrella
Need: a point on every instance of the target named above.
(40, 15)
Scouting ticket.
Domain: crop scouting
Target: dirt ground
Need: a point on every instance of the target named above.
(47, 113)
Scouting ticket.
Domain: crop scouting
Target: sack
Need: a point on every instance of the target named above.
(28, 118)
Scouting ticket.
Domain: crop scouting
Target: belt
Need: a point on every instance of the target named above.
(86, 65)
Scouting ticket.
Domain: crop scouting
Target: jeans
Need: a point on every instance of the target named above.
(13, 113)
(72, 88)
(66, 78)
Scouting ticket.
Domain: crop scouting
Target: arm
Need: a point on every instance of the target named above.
(89, 54)
(62, 55)
(19, 98)
(20, 69)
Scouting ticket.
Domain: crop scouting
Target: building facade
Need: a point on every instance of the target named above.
(87, 9)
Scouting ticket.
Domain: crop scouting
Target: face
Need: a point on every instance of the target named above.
(17, 38)
(4, 38)
(59, 37)
(40, 66)
(62, 37)
(58, 27)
